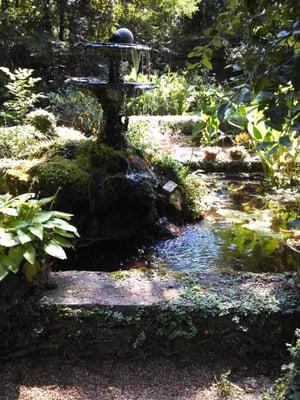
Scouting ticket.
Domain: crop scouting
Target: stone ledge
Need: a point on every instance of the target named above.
(123, 313)
(235, 292)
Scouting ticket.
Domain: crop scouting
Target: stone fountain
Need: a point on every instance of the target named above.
(113, 92)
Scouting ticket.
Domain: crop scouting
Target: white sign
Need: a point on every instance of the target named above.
(170, 186)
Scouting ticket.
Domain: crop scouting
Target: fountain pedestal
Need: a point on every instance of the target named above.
(113, 93)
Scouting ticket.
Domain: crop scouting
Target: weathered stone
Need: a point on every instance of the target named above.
(58, 176)
(118, 313)
(123, 204)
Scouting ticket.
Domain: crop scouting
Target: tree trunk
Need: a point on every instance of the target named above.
(47, 19)
(62, 14)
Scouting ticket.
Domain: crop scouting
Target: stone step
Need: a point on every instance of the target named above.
(118, 313)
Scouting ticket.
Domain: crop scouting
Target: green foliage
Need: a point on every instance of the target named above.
(225, 116)
(28, 233)
(226, 389)
(167, 167)
(261, 41)
(77, 109)
(172, 95)
(139, 137)
(20, 87)
(19, 141)
(278, 150)
(42, 120)
(288, 387)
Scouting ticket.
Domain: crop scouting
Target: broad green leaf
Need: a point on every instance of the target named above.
(55, 250)
(283, 34)
(23, 236)
(10, 265)
(16, 254)
(62, 241)
(59, 223)
(24, 197)
(29, 253)
(13, 212)
(63, 233)
(273, 150)
(271, 246)
(265, 145)
(224, 108)
(46, 200)
(37, 230)
(19, 224)
(42, 216)
(256, 133)
(7, 239)
(207, 63)
(217, 42)
(245, 96)
(59, 214)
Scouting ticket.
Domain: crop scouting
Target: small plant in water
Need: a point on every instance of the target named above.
(28, 233)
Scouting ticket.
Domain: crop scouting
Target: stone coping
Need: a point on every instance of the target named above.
(134, 289)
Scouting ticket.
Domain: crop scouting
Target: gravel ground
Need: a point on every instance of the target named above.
(158, 379)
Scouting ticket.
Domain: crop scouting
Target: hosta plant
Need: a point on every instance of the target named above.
(29, 233)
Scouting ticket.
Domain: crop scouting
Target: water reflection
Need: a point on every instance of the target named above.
(210, 247)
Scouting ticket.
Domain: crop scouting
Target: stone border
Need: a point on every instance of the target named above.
(133, 313)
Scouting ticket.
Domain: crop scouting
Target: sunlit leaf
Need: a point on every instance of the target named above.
(42, 216)
(7, 239)
(23, 236)
(29, 253)
(37, 230)
(55, 250)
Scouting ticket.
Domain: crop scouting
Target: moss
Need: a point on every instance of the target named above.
(49, 177)
(92, 156)
(169, 168)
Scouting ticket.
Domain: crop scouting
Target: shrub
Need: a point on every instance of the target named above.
(19, 141)
(288, 387)
(20, 87)
(172, 95)
(77, 109)
(28, 233)
(42, 120)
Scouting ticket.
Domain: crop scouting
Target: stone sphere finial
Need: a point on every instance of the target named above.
(122, 35)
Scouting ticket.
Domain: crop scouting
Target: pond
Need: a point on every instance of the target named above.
(207, 246)
(217, 246)
(228, 239)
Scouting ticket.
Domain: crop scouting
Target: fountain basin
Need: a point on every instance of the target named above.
(112, 90)
(113, 49)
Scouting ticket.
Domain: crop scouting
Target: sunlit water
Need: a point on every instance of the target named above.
(201, 247)
(210, 247)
